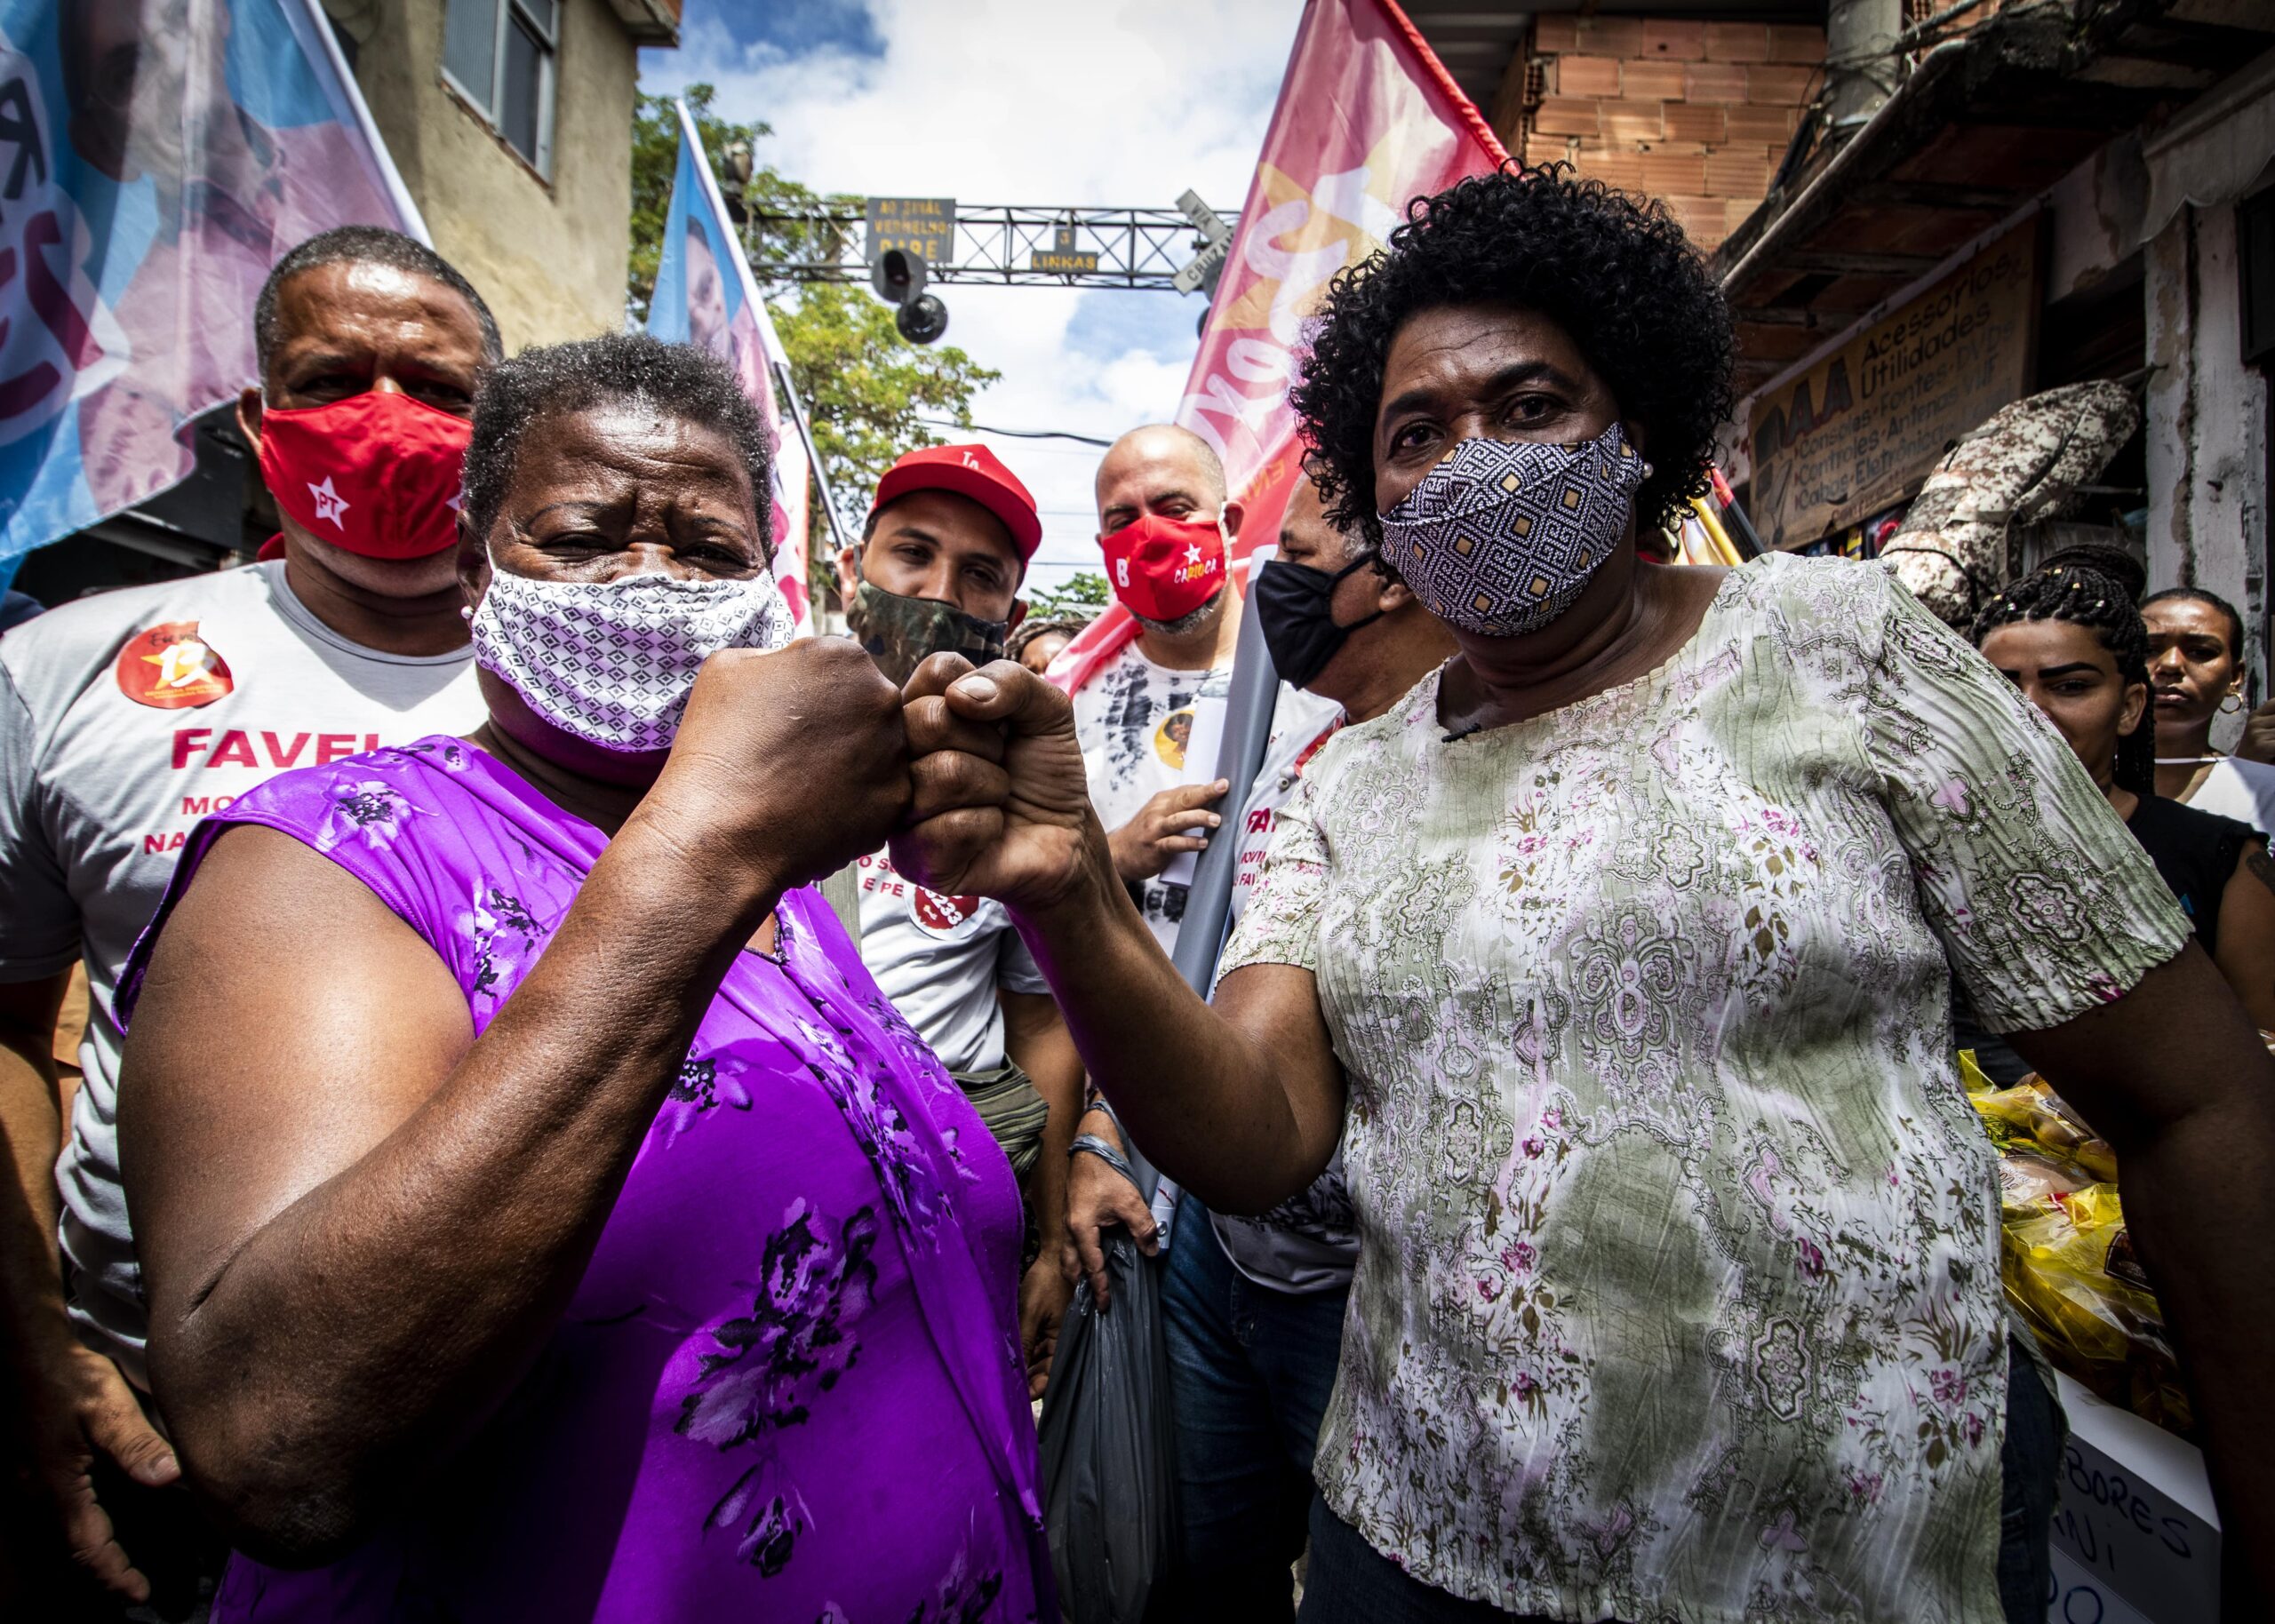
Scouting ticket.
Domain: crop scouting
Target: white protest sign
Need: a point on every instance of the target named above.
(1202, 746)
(2134, 1523)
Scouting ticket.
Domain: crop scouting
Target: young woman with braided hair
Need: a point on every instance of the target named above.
(2070, 638)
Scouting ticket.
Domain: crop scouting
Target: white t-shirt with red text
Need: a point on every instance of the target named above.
(124, 719)
(941, 960)
(1132, 719)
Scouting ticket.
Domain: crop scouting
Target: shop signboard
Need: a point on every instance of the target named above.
(1857, 431)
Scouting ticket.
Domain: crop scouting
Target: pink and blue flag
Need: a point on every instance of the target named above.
(706, 296)
(156, 158)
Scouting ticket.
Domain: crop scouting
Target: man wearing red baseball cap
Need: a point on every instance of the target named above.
(941, 559)
(937, 569)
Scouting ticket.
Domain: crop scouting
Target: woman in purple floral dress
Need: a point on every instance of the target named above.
(543, 1215)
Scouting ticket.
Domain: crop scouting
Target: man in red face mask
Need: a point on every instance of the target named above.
(125, 718)
(1165, 525)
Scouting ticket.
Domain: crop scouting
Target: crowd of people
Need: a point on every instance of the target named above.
(593, 1107)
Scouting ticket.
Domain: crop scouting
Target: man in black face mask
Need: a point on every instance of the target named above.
(1253, 1307)
(938, 569)
(1338, 622)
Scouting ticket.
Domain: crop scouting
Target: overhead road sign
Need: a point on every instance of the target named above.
(1206, 220)
(1203, 269)
(997, 244)
(1200, 274)
(1064, 258)
(925, 227)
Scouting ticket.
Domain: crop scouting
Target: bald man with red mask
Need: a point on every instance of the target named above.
(125, 718)
(1166, 524)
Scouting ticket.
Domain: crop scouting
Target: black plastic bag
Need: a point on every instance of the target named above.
(1109, 1474)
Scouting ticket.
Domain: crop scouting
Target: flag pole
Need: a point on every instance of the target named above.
(1248, 730)
(779, 370)
(317, 26)
(813, 457)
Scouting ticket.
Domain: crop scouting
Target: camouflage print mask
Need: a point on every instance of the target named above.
(900, 633)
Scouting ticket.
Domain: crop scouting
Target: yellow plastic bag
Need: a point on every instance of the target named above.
(2069, 1268)
(2030, 1182)
(2066, 1261)
(1970, 1074)
(2030, 1116)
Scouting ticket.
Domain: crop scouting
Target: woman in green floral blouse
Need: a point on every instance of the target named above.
(1619, 954)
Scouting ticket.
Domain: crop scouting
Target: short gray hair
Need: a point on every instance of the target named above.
(557, 379)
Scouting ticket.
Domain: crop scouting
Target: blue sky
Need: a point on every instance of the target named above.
(798, 28)
(1091, 102)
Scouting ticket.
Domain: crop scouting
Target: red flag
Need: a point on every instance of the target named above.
(1368, 120)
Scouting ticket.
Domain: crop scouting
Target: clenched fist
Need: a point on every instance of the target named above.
(1002, 806)
(794, 761)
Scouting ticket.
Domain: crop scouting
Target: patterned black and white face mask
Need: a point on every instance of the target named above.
(612, 661)
(1502, 535)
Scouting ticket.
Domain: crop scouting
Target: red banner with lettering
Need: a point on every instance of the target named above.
(1368, 120)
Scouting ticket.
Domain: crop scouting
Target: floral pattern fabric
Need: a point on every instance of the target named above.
(1677, 1295)
(789, 1384)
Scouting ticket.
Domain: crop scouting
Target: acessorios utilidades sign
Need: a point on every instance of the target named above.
(1860, 430)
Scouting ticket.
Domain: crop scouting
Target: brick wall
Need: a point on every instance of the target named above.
(1697, 114)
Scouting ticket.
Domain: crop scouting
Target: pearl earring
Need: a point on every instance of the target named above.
(465, 611)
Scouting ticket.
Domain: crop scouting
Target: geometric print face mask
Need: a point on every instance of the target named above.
(1502, 535)
(612, 661)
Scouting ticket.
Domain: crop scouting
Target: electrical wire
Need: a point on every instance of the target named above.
(1014, 433)
(1917, 34)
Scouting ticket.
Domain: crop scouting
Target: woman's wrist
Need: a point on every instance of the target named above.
(1097, 1121)
(1089, 891)
(687, 857)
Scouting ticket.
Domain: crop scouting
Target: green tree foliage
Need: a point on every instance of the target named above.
(1084, 594)
(864, 385)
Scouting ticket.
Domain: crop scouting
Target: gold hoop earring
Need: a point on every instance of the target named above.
(2231, 702)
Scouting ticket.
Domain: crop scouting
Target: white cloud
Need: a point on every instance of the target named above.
(1028, 101)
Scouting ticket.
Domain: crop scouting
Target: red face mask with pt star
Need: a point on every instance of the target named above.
(1164, 569)
(376, 474)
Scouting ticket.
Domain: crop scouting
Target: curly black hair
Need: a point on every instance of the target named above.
(693, 386)
(1613, 271)
(2093, 587)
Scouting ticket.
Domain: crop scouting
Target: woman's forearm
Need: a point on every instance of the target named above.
(2195, 1140)
(1237, 1121)
(1035, 1040)
(356, 1338)
(2205, 1178)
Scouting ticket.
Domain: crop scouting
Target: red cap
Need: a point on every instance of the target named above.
(272, 549)
(970, 471)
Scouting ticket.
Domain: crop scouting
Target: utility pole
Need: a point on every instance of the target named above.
(1860, 65)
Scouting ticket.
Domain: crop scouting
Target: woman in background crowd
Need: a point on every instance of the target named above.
(2196, 668)
(544, 1215)
(1036, 641)
(2070, 638)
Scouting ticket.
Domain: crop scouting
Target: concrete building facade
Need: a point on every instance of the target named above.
(511, 123)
